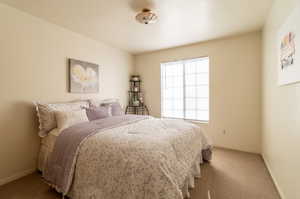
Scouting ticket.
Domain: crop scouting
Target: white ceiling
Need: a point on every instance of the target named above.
(180, 22)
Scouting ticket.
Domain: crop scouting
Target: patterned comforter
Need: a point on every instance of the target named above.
(144, 158)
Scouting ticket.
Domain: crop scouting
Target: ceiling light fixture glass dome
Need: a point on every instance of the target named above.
(146, 16)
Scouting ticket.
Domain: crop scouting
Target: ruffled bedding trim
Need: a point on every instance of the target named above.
(195, 172)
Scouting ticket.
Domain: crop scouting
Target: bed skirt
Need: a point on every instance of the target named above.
(194, 172)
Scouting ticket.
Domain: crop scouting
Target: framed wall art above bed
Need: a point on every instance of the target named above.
(83, 77)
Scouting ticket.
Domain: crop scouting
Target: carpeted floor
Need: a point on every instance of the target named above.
(230, 175)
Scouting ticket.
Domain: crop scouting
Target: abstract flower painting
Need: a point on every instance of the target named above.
(289, 49)
(84, 77)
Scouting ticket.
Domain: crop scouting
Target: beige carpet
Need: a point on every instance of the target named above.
(230, 175)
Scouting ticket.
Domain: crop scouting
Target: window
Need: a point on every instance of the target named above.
(185, 89)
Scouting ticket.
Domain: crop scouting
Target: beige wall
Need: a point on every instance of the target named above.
(33, 67)
(281, 110)
(235, 87)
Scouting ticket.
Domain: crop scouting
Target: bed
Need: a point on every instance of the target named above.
(124, 156)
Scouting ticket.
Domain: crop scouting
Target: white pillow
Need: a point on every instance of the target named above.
(66, 119)
(46, 113)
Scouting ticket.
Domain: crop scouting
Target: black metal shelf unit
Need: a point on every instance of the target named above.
(136, 101)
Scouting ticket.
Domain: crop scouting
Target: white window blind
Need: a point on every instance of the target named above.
(185, 89)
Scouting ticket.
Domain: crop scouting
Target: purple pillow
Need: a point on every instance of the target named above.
(96, 113)
(116, 108)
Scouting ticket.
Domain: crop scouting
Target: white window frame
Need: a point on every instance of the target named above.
(183, 61)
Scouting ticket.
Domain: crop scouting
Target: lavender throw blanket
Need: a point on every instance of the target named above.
(60, 166)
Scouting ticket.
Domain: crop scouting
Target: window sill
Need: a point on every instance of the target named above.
(198, 121)
(188, 120)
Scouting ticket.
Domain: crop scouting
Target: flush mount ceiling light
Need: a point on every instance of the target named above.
(146, 16)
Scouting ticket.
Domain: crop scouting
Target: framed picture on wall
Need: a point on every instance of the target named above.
(289, 49)
(83, 77)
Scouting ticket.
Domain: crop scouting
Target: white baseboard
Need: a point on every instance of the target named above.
(16, 176)
(273, 177)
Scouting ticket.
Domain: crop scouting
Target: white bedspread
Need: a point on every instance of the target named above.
(149, 159)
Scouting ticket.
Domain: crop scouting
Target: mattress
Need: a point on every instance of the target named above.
(47, 145)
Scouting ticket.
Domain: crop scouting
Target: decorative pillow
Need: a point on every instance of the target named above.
(95, 113)
(116, 108)
(46, 114)
(66, 119)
